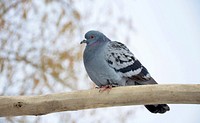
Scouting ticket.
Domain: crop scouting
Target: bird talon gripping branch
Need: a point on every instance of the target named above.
(105, 88)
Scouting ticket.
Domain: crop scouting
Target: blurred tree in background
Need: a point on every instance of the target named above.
(40, 51)
(38, 48)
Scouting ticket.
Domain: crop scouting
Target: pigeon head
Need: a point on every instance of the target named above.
(93, 37)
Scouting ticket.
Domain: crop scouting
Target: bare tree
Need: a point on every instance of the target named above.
(121, 96)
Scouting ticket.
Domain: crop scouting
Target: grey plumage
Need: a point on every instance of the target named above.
(112, 63)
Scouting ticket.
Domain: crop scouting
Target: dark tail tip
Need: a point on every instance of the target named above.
(159, 108)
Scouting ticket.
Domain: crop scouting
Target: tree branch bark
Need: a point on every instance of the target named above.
(86, 99)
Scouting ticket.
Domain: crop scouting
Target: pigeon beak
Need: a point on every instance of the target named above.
(84, 41)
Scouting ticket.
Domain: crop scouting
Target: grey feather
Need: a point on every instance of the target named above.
(112, 63)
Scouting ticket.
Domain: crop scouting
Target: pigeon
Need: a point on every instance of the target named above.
(110, 64)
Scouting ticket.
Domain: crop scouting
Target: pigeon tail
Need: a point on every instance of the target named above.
(159, 108)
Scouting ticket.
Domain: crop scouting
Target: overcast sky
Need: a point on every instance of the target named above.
(168, 36)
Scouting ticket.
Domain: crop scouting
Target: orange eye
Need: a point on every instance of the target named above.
(91, 36)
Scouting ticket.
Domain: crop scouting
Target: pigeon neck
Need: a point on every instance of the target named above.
(93, 49)
(94, 43)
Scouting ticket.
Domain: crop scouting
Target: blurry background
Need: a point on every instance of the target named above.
(40, 51)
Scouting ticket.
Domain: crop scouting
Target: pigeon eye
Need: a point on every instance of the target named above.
(91, 36)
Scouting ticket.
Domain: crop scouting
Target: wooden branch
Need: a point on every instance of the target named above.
(119, 96)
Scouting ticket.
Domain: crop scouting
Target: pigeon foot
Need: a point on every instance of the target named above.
(105, 88)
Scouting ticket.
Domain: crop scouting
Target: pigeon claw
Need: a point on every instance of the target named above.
(105, 88)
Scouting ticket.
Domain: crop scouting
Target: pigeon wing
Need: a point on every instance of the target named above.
(119, 57)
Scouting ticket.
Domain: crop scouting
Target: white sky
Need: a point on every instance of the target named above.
(168, 43)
